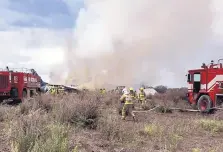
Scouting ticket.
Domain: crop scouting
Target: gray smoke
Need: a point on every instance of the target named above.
(126, 42)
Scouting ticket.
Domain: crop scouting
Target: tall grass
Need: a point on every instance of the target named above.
(90, 121)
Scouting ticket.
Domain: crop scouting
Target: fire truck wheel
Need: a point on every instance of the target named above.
(204, 104)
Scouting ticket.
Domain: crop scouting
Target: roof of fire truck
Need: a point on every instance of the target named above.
(19, 70)
(211, 66)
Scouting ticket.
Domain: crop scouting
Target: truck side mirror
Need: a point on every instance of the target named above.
(188, 78)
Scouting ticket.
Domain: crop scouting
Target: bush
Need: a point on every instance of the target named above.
(26, 130)
(79, 110)
(3, 111)
(214, 126)
(34, 132)
(42, 124)
(173, 97)
(113, 128)
(153, 130)
(55, 140)
(111, 99)
(161, 89)
(43, 102)
(176, 94)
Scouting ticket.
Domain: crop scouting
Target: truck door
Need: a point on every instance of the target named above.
(196, 82)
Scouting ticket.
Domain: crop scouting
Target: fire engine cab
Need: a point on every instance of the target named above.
(16, 84)
(205, 86)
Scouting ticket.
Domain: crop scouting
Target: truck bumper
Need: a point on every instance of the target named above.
(4, 93)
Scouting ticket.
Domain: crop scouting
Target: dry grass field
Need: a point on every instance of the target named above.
(90, 122)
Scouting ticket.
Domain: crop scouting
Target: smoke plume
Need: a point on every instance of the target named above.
(126, 42)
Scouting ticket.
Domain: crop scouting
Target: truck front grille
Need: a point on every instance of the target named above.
(4, 80)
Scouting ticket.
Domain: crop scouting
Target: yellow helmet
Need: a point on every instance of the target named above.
(141, 88)
(131, 89)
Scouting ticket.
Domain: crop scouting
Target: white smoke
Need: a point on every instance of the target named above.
(135, 40)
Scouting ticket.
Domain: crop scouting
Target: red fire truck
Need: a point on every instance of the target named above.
(205, 86)
(15, 84)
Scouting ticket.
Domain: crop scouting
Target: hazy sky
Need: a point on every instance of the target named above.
(38, 34)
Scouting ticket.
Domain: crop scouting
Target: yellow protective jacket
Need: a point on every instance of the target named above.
(53, 91)
(103, 91)
(142, 95)
(127, 98)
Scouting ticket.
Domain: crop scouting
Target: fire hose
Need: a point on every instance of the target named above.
(179, 109)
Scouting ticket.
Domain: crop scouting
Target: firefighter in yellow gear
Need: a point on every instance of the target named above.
(103, 91)
(142, 96)
(52, 90)
(128, 99)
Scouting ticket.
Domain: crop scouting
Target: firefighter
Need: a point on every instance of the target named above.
(103, 91)
(53, 91)
(142, 96)
(128, 99)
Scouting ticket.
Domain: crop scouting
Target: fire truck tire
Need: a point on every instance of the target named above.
(204, 104)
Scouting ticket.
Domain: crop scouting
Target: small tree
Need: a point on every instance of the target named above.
(161, 89)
